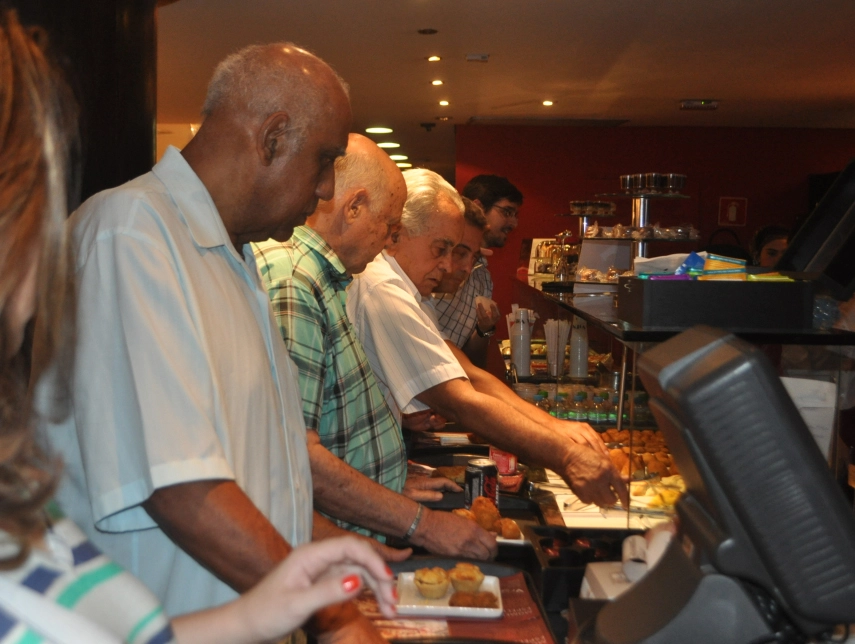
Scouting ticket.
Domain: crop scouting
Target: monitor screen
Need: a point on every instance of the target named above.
(761, 504)
(825, 244)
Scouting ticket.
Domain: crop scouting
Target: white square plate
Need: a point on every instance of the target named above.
(411, 602)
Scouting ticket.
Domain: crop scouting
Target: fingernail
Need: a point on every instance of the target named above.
(351, 583)
(395, 592)
(388, 571)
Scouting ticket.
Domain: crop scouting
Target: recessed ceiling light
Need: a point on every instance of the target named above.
(436, 82)
(388, 144)
(547, 103)
(444, 118)
(404, 165)
(698, 104)
(428, 32)
(434, 59)
(378, 130)
(398, 157)
(443, 103)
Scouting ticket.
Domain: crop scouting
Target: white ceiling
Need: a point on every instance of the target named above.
(782, 63)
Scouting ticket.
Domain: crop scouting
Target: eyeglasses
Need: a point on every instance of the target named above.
(507, 211)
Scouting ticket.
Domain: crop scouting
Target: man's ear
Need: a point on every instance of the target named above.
(392, 243)
(480, 205)
(355, 204)
(272, 139)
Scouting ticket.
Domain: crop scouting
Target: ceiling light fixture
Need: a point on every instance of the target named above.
(699, 104)
(436, 82)
(443, 103)
(398, 157)
(378, 130)
(444, 118)
(388, 144)
(477, 58)
(404, 165)
(548, 103)
(434, 59)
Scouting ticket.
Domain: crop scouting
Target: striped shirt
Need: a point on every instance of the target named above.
(401, 340)
(342, 400)
(456, 312)
(74, 574)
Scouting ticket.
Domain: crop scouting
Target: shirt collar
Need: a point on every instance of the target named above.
(409, 285)
(192, 199)
(311, 239)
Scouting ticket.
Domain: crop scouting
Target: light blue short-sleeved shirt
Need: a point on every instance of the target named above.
(180, 376)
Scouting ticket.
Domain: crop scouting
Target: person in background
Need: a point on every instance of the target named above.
(768, 244)
(467, 252)
(458, 314)
(54, 584)
(185, 452)
(390, 307)
(359, 466)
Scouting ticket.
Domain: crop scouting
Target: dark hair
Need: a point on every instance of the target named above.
(37, 136)
(490, 188)
(765, 235)
(474, 214)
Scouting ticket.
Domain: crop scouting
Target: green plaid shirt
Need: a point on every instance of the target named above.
(306, 282)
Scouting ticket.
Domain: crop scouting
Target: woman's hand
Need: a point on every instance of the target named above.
(313, 576)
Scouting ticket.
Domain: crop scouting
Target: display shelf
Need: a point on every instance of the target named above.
(643, 195)
(648, 240)
(625, 332)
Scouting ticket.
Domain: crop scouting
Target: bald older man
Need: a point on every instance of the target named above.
(185, 452)
(356, 451)
(390, 307)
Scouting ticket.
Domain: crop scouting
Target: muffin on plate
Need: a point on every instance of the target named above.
(431, 582)
(466, 577)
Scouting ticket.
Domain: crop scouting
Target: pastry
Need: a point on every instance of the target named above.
(456, 473)
(466, 577)
(463, 512)
(486, 514)
(507, 529)
(431, 582)
(481, 599)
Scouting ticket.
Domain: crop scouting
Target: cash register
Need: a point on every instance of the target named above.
(766, 543)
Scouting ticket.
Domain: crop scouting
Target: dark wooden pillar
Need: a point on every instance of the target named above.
(108, 50)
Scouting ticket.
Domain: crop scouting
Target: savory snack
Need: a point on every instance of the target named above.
(486, 514)
(463, 512)
(481, 599)
(507, 529)
(431, 582)
(456, 473)
(466, 577)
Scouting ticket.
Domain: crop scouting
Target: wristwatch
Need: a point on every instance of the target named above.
(484, 334)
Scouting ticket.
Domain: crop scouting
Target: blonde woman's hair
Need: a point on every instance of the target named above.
(37, 139)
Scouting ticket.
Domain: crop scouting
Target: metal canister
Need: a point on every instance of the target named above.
(482, 479)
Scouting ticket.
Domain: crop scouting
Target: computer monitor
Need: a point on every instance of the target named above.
(824, 247)
(770, 537)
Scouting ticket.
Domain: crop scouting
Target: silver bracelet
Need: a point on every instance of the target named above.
(415, 524)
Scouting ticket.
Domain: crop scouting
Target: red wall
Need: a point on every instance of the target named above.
(553, 165)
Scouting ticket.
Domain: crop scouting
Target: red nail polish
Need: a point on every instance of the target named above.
(395, 592)
(388, 571)
(351, 583)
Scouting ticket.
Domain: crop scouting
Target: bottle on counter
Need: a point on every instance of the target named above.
(542, 403)
(613, 409)
(559, 408)
(579, 409)
(597, 414)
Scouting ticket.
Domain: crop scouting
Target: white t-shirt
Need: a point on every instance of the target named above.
(399, 333)
(180, 376)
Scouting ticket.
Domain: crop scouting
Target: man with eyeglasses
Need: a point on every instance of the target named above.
(465, 324)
